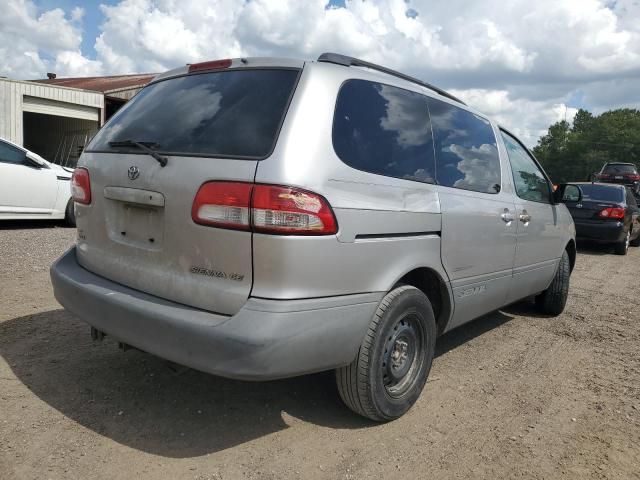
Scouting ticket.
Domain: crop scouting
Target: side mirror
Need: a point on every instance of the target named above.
(567, 192)
(36, 161)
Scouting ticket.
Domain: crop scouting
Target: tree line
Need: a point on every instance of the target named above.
(572, 152)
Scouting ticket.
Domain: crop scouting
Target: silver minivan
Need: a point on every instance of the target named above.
(261, 218)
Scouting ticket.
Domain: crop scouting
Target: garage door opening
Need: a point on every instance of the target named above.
(58, 139)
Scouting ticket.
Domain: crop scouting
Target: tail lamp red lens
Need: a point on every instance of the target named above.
(634, 177)
(212, 65)
(81, 186)
(223, 204)
(614, 212)
(263, 208)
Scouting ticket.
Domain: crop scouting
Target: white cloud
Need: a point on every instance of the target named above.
(517, 60)
(32, 41)
(528, 119)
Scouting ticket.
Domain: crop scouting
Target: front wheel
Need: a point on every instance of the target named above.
(389, 373)
(553, 300)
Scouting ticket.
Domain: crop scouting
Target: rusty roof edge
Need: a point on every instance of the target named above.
(31, 82)
(122, 89)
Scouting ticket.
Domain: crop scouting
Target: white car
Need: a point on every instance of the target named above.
(31, 187)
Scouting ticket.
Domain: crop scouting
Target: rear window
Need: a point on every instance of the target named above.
(384, 130)
(235, 113)
(602, 193)
(615, 168)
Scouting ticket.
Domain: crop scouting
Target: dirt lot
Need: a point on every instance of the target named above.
(512, 395)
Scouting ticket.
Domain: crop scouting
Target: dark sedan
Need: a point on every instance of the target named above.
(622, 173)
(606, 213)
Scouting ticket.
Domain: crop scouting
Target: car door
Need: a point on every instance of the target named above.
(478, 211)
(25, 187)
(540, 241)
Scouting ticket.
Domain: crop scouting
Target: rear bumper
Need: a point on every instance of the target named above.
(609, 232)
(266, 339)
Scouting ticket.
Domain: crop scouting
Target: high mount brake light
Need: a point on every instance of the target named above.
(81, 186)
(612, 212)
(263, 208)
(212, 65)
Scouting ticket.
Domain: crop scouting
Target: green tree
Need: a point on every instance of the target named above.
(573, 152)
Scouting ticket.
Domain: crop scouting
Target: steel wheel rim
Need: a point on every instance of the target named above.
(403, 355)
(627, 241)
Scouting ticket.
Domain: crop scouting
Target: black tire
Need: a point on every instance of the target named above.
(70, 214)
(393, 363)
(553, 300)
(635, 242)
(621, 248)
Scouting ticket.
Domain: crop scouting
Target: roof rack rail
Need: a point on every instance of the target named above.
(350, 61)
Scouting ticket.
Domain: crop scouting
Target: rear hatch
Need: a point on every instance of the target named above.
(138, 229)
(595, 199)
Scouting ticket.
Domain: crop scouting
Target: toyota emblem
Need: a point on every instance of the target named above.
(133, 173)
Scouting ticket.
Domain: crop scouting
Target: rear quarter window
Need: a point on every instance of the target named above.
(384, 130)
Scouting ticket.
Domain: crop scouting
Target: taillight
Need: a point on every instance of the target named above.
(276, 209)
(81, 186)
(212, 65)
(222, 204)
(263, 208)
(633, 177)
(614, 212)
(602, 176)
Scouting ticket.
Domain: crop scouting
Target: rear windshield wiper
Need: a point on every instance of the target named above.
(146, 146)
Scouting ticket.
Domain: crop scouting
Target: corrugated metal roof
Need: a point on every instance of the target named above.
(102, 84)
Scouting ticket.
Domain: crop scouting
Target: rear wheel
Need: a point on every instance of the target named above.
(553, 300)
(389, 373)
(622, 248)
(636, 241)
(70, 214)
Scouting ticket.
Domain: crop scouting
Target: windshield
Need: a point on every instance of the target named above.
(616, 168)
(235, 113)
(602, 193)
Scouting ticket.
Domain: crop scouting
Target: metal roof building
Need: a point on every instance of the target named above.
(56, 117)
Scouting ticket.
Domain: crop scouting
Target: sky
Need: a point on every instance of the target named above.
(525, 63)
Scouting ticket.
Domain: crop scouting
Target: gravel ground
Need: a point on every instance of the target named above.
(511, 395)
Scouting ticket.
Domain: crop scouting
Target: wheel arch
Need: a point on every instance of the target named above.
(431, 283)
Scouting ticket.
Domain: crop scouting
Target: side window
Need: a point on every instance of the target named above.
(466, 149)
(530, 182)
(384, 130)
(11, 154)
(571, 194)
